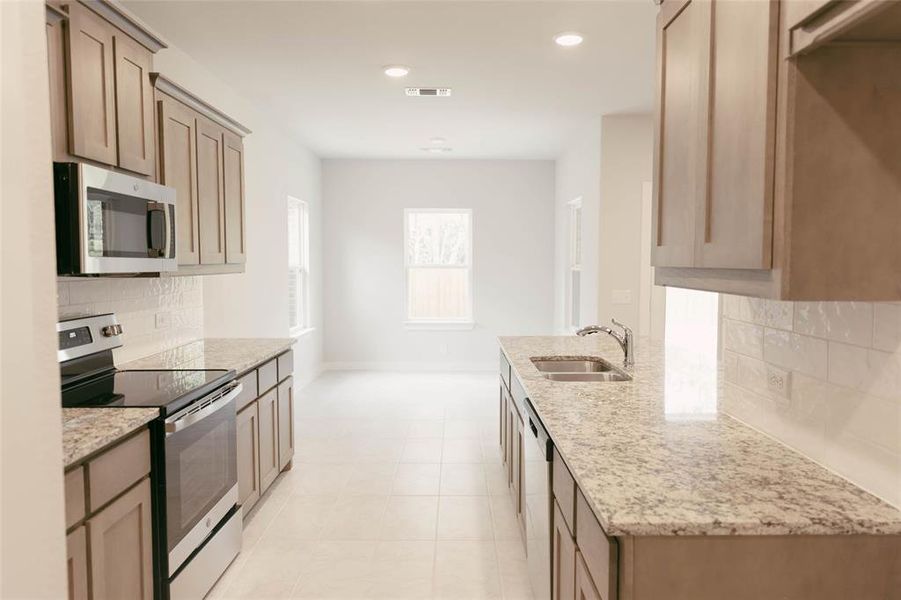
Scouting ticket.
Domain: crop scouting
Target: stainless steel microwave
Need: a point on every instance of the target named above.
(112, 223)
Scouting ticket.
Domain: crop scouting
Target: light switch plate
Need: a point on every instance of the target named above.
(621, 297)
(779, 381)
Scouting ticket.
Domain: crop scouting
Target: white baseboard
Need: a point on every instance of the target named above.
(410, 366)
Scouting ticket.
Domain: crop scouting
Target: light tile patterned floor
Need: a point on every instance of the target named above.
(397, 491)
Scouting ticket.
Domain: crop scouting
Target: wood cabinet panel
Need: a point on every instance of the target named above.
(502, 420)
(268, 414)
(121, 542)
(585, 587)
(233, 185)
(75, 496)
(680, 157)
(599, 551)
(735, 224)
(114, 471)
(285, 365)
(267, 375)
(563, 559)
(178, 169)
(210, 196)
(285, 422)
(77, 564)
(564, 487)
(248, 429)
(248, 392)
(91, 89)
(134, 106)
(56, 63)
(517, 465)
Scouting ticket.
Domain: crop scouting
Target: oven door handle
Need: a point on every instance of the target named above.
(196, 416)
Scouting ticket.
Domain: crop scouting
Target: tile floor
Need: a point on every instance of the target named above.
(397, 491)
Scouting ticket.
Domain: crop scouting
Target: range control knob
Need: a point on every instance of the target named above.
(111, 330)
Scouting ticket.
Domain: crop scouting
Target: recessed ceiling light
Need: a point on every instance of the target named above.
(396, 71)
(568, 38)
(438, 140)
(437, 150)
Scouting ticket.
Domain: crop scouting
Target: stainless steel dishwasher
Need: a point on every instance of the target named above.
(537, 473)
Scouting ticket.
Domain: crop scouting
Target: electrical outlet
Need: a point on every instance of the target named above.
(621, 297)
(163, 320)
(779, 381)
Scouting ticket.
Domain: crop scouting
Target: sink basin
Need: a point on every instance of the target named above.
(607, 376)
(572, 365)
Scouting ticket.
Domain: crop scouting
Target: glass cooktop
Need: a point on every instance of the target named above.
(166, 390)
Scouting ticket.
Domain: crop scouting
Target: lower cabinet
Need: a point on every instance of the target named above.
(585, 588)
(248, 426)
(268, 406)
(563, 559)
(121, 547)
(77, 564)
(285, 423)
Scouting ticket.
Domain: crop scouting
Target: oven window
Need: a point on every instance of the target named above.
(117, 225)
(201, 467)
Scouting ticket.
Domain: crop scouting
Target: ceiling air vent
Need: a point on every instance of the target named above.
(440, 92)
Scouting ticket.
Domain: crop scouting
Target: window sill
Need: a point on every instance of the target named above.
(301, 332)
(439, 325)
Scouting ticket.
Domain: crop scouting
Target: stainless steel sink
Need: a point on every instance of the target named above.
(608, 376)
(567, 368)
(571, 365)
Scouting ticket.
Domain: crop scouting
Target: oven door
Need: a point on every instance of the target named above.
(127, 224)
(201, 472)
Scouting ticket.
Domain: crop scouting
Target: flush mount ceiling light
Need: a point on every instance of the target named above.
(396, 71)
(568, 39)
(437, 150)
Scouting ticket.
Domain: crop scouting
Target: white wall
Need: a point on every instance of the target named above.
(32, 556)
(513, 249)
(255, 304)
(627, 143)
(843, 401)
(578, 175)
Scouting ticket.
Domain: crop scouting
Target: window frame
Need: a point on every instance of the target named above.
(574, 251)
(303, 309)
(438, 324)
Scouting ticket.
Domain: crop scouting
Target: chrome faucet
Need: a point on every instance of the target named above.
(625, 339)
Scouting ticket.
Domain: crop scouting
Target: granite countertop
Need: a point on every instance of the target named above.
(240, 354)
(654, 456)
(87, 430)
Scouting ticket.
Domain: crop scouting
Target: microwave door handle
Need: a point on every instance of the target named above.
(178, 423)
(157, 229)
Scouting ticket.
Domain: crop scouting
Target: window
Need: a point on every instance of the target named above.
(574, 274)
(691, 352)
(298, 266)
(438, 261)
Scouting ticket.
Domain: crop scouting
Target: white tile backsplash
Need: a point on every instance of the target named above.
(844, 404)
(156, 313)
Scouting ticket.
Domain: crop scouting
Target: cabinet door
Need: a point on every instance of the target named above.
(56, 63)
(248, 426)
(233, 165)
(502, 421)
(92, 101)
(585, 588)
(268, 406)
(134, 105)
(680, 154)
(734, 225)
(210, 197)
(516, 464)
(563, 559)
(285, 422)
(120, 542)
(77, 564)
(178, 169)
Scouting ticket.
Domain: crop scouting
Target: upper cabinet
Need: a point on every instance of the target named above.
(777, 171)
(104, 64)
(201, 155)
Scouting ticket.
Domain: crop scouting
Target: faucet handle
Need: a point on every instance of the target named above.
(625, 329)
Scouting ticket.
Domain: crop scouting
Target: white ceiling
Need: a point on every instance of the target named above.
(515, 93)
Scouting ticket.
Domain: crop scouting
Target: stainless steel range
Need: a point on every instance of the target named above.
(197, 526)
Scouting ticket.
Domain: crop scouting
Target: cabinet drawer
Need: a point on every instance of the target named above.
(564, 487)
(599, 551)
(267, 376)
(77, 564)
(519, 395)
(114, 471)
(75, 504)
(249, 393)
(505, 370)
(285, 365)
